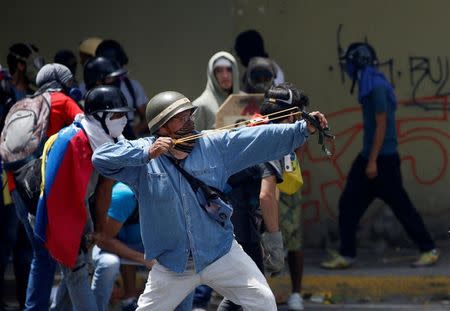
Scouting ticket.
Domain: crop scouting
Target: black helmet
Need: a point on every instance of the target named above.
(360, 54)
(164, 106)
(105, 98)
(99, 68)
(113, 50)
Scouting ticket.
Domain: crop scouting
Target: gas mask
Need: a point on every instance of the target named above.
(74, 93)
(260, 80)
(115, 126)
(260, 75)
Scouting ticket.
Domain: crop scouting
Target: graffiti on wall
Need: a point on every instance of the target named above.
(427, 75)
(415, 131)
(424, 71)
(387, 65)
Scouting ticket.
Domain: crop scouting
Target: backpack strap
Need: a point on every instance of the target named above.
(194, 182)
(210, 193)
(216, 205)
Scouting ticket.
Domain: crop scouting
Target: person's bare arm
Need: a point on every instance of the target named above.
(269, 203)
(299, 153)
(102, 199)
(272, 239)
(106, 240)
(380, 133)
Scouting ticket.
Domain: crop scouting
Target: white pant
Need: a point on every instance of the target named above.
(234, 276)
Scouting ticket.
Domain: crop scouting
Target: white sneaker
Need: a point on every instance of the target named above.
(295, 302)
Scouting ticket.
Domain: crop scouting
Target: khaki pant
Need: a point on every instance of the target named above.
(234, 276)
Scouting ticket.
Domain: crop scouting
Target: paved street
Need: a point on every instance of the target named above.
(380, 282)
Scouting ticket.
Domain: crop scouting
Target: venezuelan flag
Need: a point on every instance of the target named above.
(61, 213)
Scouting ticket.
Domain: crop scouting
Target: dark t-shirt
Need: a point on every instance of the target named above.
(273, 168)
(244, 196)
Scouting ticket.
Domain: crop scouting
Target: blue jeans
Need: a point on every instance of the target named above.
(360, 191)
(74, 289)
(186, 304)
(202, 296)
(107, 268)
(43, 266)
(61, 300)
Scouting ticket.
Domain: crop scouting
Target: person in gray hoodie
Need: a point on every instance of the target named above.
(222, 81)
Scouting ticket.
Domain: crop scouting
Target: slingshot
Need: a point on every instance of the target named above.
(322, 132)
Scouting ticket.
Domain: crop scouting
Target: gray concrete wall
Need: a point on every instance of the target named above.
(170, 42)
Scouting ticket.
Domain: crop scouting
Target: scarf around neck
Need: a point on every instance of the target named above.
(94, 131)
(369, 79)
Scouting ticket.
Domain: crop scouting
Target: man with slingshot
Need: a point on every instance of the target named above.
(178, 176)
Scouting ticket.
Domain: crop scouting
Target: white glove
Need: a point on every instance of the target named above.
(273, 252)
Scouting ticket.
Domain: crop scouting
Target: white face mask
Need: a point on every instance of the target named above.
(116, 126)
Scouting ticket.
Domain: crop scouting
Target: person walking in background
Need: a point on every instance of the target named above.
(375, 173)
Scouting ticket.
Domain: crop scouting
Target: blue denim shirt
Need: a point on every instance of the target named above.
(172, 222)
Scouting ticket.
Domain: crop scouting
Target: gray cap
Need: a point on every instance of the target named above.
(53, 73)
(163, 106)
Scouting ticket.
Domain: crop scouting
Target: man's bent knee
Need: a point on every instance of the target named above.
(262, 300)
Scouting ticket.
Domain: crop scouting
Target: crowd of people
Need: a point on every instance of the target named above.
(99, 181)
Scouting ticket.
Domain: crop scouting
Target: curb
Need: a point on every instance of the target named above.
(362, 288)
